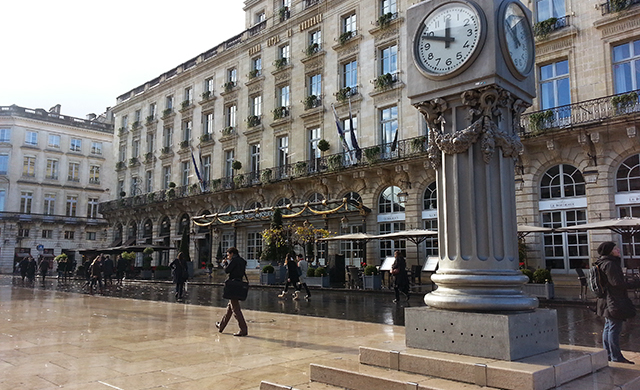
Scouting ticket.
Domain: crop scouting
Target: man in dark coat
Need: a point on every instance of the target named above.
(400, 276)
(180, 274)
(234, 267)
(615, 306)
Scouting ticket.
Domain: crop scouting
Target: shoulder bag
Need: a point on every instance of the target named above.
(236, 289)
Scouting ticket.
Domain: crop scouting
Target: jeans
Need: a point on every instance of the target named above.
(611, 339)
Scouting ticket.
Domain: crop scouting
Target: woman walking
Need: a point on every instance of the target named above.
(293, 277)
(234, 267)
(400, 277)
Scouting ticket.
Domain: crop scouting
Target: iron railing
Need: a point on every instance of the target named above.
(582, 113)
(612, 6)
(403, 149)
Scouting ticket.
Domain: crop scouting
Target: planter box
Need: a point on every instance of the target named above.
(372, 282)
(267, 278)
(146, 274)
(281, 274)
(162, 274)
(539, 290)
(317, 281)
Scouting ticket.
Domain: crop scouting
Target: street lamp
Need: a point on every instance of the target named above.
(344, 223)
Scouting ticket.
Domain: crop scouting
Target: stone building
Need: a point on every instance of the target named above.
(54, 172)
(253, 111)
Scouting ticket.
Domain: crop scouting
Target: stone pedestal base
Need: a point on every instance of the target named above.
(505, 336)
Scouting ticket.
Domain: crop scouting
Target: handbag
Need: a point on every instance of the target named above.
(395, 271)
(236, 289)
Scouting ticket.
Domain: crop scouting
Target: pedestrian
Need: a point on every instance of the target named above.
(24, 265)
(303, 266)
(180, 274)
(293, 277)
(107, 270)
(43, 267)
(121, 269)
(400, 276)
(234, 267)
(615, 306)
(96, 274)
(31, 269)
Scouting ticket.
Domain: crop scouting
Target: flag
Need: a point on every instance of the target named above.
(345, 145)
(195, 166)
(394, 145)
(354, 140)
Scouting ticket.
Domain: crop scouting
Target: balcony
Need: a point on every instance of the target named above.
(311, 3)
(312, 101)
(582, 113)
(542, 29)
(345, 93)
(281, 113)
(255, 30)
(613, 6)
(385, 20)
(284, 13)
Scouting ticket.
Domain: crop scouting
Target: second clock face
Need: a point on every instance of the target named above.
(448, 39)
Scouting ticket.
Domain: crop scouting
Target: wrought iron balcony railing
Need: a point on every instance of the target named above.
(612, 6)
(588, 111)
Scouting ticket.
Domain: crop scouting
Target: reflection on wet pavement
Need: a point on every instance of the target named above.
(577, 324)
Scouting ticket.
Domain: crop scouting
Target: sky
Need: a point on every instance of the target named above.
(83, 54)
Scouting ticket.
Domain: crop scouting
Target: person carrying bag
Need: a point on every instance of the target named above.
(235, 268)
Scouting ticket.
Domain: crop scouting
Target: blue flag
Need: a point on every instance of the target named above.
(354, 140)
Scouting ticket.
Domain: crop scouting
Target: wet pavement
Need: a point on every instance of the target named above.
(577, 324)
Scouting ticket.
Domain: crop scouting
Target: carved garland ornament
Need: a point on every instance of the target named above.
(484, 109)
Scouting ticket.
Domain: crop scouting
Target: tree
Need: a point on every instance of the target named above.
(307, 235)
(277, 240)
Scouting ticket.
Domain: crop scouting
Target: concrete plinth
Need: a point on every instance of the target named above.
(505, 336)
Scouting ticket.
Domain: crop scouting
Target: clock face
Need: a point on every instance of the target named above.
(518, 39)
(449, 39)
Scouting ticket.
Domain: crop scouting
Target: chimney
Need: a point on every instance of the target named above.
(55, 109)
(91, 117)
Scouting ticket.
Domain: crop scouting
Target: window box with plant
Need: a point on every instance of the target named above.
(280, 112)
(268, 276)
(385, 20)
(229, 86)
(229, 130)
(540, 283)
(122, 131)
(343, 94)
(372, 155)
(238, 180)
(540, 120)
(318, 278)
(624, 102)
(311, 101)
(148, 157)
(384, 81)
(184, 144)
(312, 49)
(266, 175)
(150, 119)
(206, 95)
(120, 165)
(133, 161)
(300, 169)
(135, 125)
(280, 63)
(284, 13)
(334, 162)
(166, 150)
(167, 112)
(346, 36)
(371, 279)
(419, 144)
(542, 29)
(206, 137)
(254, 73)
(186, 104)
(253, 120)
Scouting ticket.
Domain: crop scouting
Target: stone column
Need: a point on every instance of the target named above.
(473, 141)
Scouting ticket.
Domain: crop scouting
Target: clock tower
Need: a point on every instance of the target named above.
(471, 78)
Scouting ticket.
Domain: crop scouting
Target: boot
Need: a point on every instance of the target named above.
(295, 295)
(284, 294)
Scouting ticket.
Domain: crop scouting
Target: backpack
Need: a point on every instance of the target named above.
(596, 281)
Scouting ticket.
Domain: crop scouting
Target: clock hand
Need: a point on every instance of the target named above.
(512, 33)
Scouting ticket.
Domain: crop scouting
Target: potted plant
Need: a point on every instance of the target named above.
(418, 145)
(383, 81)
(229, 86)
(319, 278)
(253, 120)
(334, 162)
(171, 192)
(206, 95)
(238, 180)
(540, 283)
(253, 73)
(371, 279)
(385, 20)
(540, 120)
(167, 112)
(268, 276)
(206, 137)
(279, 113)
(130, 258)
(236, 165)
(343, 94)
(312, 49)
(345, 36)
(626, 100)
(280, 63)
(543, 28)
(311, 101)
(265, 176)
(300, 168)
(372, 155)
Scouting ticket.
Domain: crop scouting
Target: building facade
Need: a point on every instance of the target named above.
(253, 114)
(55, 170)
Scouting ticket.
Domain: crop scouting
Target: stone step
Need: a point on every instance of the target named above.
(544, 371)
(306, 386)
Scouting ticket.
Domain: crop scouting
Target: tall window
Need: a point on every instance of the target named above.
(166, 176)
(52, 169)
(149, 181)
(26, 198)
(74, 171)
(123, 152)
(186, 167)
(389, 60)
(96, 148)
(5, 135)
(188, 96)
(283, 151)
(628, 185)
(135, 185)
(547, 9)
(150, 142)
(207, 123)
(124, 122)
(94, 174)
(4, 164)
(346, 126)
(626, 67)
(256, 66)
(564, 250)
(430, 218)
(555, 90)
(254, 245)
(231, 117)
(388, 6)
(49, 204)
(152, 111)
(168, 137)
(72, 205)
(229, 158)
(92, 208)
(284, 96)
(255, 159)
(284, 53)
(256, 105)
(388, 125)
(3, 195)
(206, 167)
(315, 41)
(186, 129)
(31, 138)
(135, 148)
(75, 145)
(168, 103)
(208, 86)
(349, 23)
(350, 74)
(137, 117)
(315, 85)
(314, 153)
(388, 203)
(29, 166)
(232, 76)
(54, 141)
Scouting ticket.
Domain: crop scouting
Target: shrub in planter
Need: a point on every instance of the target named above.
(370, 270)
(268, 269)
(528, 273)
(311, 272)
(320, 272)
(542, 275)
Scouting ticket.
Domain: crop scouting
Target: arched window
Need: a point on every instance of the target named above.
(353, 250)
(147, 232)
(185, 223)
(283, 202)
(388, 203)
(117, 235)
(430, 218)
(132, 232)
(627, 204)
(316, 197)
(564, 250)
(204, 229)
(253, 206)
(562, 181)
